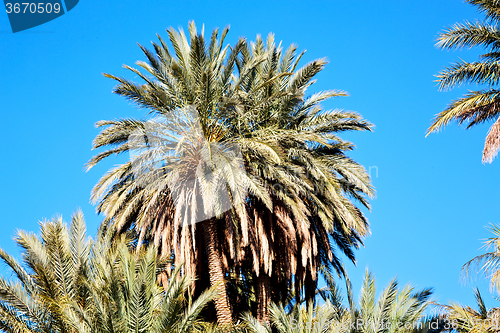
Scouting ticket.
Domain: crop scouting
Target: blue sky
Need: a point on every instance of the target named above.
(434, 196)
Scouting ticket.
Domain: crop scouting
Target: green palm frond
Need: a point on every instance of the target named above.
(489, 262)
(465, 319)
(476, 106)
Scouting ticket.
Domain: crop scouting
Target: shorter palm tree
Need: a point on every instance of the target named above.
(395, 311)
(74, 284)
(489, 262)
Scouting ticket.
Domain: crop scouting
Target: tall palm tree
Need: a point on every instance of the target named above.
(73, 284)
(397, 310)
(478, 106)
(276, 199)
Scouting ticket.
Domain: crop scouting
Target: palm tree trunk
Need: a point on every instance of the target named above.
(263, 297)
(215, 271)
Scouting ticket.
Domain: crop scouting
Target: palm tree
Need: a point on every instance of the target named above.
(395, 311)
(73, 284)
(478, 106)
(279, 202)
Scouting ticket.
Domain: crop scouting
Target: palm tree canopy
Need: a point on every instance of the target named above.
(478, 106)
(291, 188)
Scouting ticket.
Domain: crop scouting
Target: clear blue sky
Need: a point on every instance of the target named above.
(434, 196)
